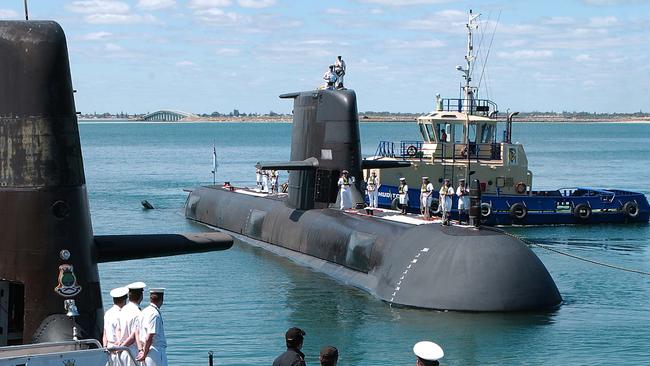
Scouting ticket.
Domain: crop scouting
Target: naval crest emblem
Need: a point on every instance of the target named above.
(67, 286)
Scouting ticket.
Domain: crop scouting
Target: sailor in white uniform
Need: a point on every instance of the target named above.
(446, 193)
(403, 191)
(426, 197)
(463, 199)
(372, 186)
(339, 69)
(330, 77)
(274, 181)
(265, 181)
(130, 319)
(258, 177)
(154, 349)
(344, 183)
(112, 331)
(427, 353)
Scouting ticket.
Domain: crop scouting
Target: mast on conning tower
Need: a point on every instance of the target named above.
(468, 89)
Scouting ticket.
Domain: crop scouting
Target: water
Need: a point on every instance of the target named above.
(238, 303)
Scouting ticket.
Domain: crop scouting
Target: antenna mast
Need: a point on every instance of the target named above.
(468, 89)
(26, 12)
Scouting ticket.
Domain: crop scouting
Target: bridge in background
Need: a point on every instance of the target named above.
(167, 116)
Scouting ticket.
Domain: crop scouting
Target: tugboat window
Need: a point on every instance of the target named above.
(472, 133)
(487, 131)
(458, 132)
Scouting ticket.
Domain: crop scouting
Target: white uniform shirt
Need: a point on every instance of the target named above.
(152, 323)
(446, 199)
(339, 65)
(112, 326)
(404, 197)
(130, 318)
(373, 184)
(428, 193)
(330, 76)
(463, 198)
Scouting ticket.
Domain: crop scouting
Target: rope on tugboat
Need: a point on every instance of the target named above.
(603, 264)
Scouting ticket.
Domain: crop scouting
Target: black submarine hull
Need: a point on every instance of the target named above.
(423, 266)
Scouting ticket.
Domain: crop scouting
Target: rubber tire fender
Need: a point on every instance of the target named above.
(520, 187)
(486, 209)
(631, 209)
(582, 212)
(435, 207)
(518, 211)
(411, 151)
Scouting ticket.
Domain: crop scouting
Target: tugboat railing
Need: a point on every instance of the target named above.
(477, 107)
(411, 149)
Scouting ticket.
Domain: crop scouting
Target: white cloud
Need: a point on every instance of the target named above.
(112, 47)
(228, 51)
(8, 14)
(156, 4)
(187, 64)
(418, 44)
(208, 4)
(98, 7)
(96, 36)
(216, 16)
(118, 18)
(558, 20)
(405, 2)
(258, 4)
(336, 11)
(526, 54)
(583, 58)
(603, 21)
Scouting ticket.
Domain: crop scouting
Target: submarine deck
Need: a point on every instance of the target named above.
(379, 213)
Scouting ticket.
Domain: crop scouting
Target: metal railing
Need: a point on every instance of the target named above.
(413, 149)
(478, 107)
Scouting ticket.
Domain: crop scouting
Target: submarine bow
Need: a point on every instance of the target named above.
(423, 266)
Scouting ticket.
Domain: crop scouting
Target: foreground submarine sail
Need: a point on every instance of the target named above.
(48, 253)
(424, 266)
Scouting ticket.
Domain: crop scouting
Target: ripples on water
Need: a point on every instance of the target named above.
(239, 302)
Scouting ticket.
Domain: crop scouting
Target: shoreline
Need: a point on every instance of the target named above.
(370, 119)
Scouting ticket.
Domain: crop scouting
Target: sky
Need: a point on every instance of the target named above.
(202, 56)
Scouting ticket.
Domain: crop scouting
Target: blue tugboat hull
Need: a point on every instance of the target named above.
(574, 206)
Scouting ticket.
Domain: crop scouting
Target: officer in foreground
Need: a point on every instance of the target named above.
(292, 356)
(130, 322)
(427, 353)
(152, 331)
(112, 331)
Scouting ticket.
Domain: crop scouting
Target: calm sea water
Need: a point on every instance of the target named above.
(238, 303)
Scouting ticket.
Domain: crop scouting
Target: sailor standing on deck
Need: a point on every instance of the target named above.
(344, 183)
(339, 69)
(258, 177)
(426, 197)
(446, 192)
(274, 181)
(403, 191)
(130, 319)
(330, 77)
(463, 199)
(265, 180)
(112, 331)
(152, 331)
(372, 186)
(427, 353)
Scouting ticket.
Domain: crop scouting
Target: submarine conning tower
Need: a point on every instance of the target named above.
(48, 254)
(324, 141)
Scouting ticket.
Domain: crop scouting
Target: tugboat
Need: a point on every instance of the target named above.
(459, 141)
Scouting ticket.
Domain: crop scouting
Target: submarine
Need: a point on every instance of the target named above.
(51, 308)
(400, 260)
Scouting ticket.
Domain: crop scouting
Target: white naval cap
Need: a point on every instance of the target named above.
(428, 351)
(119, 292)
(136, 285)
(157, 290)
(402, 179)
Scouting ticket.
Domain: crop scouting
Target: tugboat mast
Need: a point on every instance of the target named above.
(468, 89)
